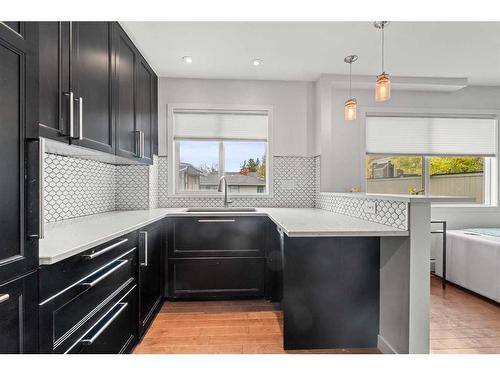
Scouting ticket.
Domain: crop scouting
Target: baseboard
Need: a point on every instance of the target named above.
(384, 346)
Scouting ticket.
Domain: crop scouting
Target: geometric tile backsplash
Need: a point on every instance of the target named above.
(388, 212)
(96, 187)
(76, 187)
(299, 171)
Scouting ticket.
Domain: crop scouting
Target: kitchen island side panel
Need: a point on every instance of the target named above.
(331, 292)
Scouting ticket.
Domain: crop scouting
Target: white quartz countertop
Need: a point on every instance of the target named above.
(67, 238)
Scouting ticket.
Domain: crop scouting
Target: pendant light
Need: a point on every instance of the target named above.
(350, 105)
(383, 85)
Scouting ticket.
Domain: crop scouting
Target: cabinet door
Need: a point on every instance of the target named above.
(144, 108)
(18, 247)
(18, 323)
(216, 278)
(92, 85)
(151, 272)
(124, 89)
(53, 91)
(217, 236)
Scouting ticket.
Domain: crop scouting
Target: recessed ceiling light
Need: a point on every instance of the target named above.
(256, 62)
(187, 59)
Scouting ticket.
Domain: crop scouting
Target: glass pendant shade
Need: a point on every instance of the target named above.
(383, 88)
(350, 109)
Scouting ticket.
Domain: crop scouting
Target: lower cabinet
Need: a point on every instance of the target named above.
(112, 333)
(18, 315)
(218, 257)
(216, 278)
(151, 266)
(93, 306)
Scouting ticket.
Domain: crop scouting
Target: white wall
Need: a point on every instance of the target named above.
(309, 121)
(293, 104)
(341, 144)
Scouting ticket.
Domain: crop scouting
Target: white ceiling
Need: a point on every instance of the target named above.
(304, 50)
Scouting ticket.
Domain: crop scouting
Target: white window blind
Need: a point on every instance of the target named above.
(431, 136)
(241, 125)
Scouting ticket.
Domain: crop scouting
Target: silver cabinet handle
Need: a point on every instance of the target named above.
(41, 177)
(90, 284)
(80, 117)
(137, 135)
(71, 113)
(4, 297)
(105, 250)
(142, 145)
(216, 220)
(90, 341)
(84, 279)
(144, 240)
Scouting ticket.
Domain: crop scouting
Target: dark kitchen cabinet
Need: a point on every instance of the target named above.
(217, 257)
(83, 293)
(19, 185)
(125, 95)
(112, 333)
(54, 80)
(96, 90)
(331, 295)
(212, 236)
(91, 84)
(216, 278)
(155, 116)
(274, 262)
(150, 272)
(18, 312)
(75, 90)
(145, 86)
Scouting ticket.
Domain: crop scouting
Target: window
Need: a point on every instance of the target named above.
(451, 156)
(393, 174)
(209, 144)
(451, 176)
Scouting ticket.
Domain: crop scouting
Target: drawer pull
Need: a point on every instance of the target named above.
(93, 283)
(144, 240)
(105, 250)
(216, 220)
(4, 297)
(90, 341)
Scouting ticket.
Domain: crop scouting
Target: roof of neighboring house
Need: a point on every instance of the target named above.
(234, 178)
(190, 169)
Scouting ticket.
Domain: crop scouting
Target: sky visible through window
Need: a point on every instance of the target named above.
(199, 153)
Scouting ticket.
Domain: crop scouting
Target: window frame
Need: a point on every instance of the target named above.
(488, 174)
(491, 173)
(173, 156)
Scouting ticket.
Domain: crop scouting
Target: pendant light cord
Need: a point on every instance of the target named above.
(350, 79)
(383, 49)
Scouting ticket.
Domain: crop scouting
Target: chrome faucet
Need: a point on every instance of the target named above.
(219, 189)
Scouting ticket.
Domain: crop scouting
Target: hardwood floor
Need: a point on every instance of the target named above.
(460, 323)
(220, 327)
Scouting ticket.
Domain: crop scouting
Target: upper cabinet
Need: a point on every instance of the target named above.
(18, 187)
(135, 101)
(144, 106)
(91, 85)
(92, 92)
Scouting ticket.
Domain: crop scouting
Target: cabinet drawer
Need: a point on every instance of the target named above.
(61, 275)
(114, 332)
(65, 312)
(217, 236)
(18, 315)
(216, 278)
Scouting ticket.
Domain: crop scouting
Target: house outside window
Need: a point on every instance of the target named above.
(207, 144)
(432, 155)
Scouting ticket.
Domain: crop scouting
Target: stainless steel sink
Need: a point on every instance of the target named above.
(220, 209)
